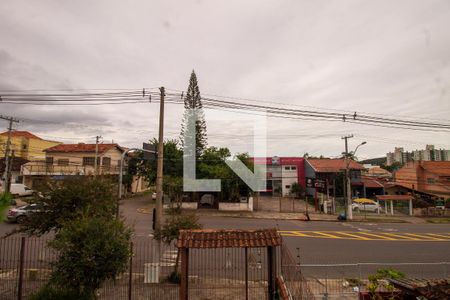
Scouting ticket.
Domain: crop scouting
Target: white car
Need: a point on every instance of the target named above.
(19, 189)
(373, 207)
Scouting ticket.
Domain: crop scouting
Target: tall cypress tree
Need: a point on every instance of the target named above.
(193, 100)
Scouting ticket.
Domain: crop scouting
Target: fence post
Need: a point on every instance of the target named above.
(130, 276)
(21, 263)
(246, 273)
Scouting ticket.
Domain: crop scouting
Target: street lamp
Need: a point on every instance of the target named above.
(349, 215)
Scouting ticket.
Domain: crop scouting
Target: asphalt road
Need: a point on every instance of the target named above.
(343, 249)
(317, 243)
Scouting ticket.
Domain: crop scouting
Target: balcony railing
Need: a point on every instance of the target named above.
(47, 169)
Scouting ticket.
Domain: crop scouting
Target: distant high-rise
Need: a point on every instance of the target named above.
(430, 153)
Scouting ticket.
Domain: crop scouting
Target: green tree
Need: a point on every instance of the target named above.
(393, 167)
(91, 250)
(69, 199)
(170, 232)
(297, 190)
(193, 100)
(172, 164)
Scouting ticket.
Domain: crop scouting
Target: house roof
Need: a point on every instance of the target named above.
(394, 197)
(81, 147)
(371, 182)
(24, 134)
(327, 165)
(220, 238)
(437, 167)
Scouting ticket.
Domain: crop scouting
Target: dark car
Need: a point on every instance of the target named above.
(20, 214)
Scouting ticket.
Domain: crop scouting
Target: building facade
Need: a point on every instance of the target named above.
(430, 177)
(26, 145)
(282, 172)
(73, 159)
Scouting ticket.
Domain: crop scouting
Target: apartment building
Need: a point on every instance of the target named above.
(428, 154)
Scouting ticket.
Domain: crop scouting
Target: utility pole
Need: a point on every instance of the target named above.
(348, 187)
(160, 161)
(7, 175)
(97, 139)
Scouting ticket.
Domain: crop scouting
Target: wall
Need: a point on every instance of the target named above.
(288, 178)
(237, 206)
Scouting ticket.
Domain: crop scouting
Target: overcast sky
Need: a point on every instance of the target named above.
(384, 57)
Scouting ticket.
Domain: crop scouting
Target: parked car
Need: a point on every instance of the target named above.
(366, 205)
(207, 200)
(20, 214)
(19, 189)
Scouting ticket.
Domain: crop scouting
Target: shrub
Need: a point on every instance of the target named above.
(51, 292)
(91, 250)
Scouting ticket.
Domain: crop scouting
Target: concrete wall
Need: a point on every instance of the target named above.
(288, 176)
(237, 206)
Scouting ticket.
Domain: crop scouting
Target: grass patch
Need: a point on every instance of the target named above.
(438, 220)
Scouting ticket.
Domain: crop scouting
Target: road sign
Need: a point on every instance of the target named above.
(149, 155)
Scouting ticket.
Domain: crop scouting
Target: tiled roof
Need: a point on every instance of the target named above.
(371, 182)
(81, 147)
(212, 238)
(24, 134)
(437, 167)
(332, 165)
(394, 197)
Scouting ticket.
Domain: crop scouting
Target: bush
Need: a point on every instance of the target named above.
(70, 199)
(91, 250)
(51, 292)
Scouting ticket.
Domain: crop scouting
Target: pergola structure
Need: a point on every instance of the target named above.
(393, 198)
(243, 239)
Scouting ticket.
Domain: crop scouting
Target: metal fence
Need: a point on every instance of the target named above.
(25, 266)
(346, 280)
(224, 273)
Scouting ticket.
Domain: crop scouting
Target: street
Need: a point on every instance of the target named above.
(325, 242)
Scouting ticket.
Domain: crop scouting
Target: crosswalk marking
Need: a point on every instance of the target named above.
(423, 236)
(354, 236)
(378, 236)
(327, 235)
(439, 235)
(369, 236)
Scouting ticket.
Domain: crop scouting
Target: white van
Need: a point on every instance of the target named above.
(19, 189)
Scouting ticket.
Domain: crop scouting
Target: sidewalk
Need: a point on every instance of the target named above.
(292, 216)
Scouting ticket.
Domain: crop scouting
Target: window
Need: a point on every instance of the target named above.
(293, 168)
(49, 161)
(63, 162)
(287, 168)
(88, 161)
(24, 147)
(431, 181)
(287, 186)
(106, 161)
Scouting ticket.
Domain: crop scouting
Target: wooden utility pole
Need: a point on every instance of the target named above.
(160, 161)
(7, 175)
(97, 139)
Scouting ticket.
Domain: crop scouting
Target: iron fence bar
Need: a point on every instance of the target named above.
(21, 263)
(130, 276)
(246, 273)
